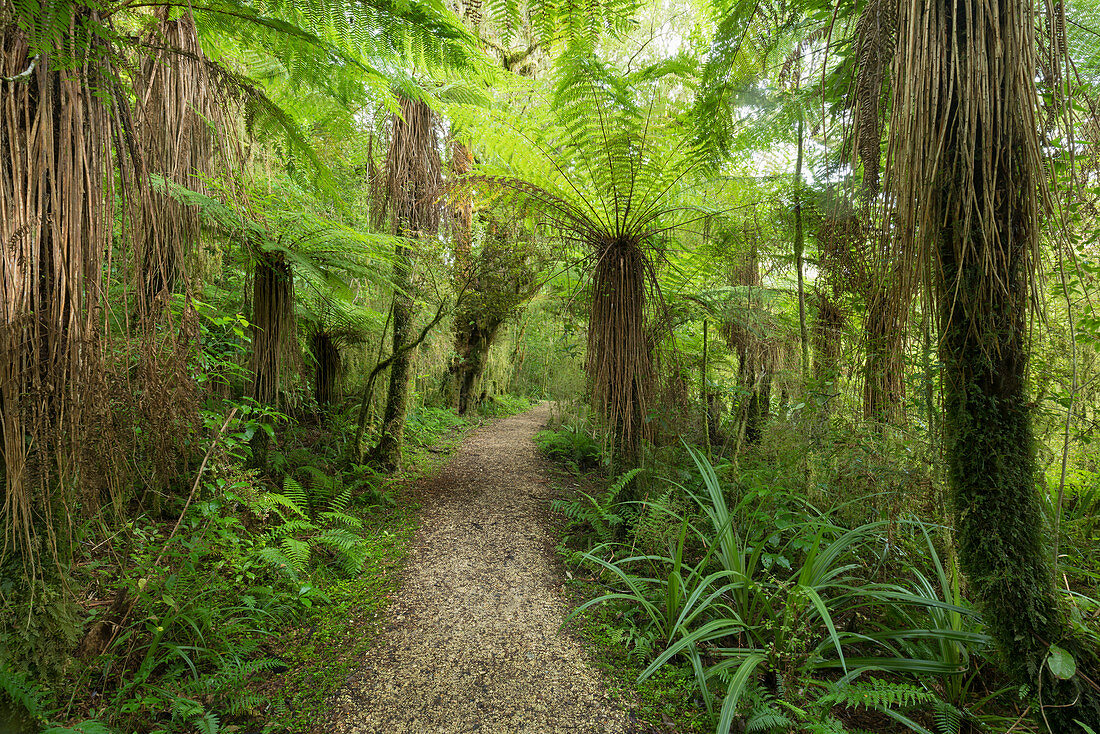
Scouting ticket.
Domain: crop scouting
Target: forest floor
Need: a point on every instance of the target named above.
(474, 640)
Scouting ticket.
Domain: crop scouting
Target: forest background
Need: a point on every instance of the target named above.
(812, 284)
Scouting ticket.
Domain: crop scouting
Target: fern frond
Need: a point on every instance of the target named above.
(296, 494)
(298, 551)
(21, 692)
(342, 519)
(279, 561)
(876, 693)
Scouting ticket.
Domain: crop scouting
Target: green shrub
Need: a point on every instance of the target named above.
(502, 406)
(571, 446)
(774, 611)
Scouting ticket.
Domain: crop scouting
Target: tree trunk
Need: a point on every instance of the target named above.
(327, 357)
(884, 368)
(620, 361)
(412, 180)
(477, 340)
(967, 139)
(272, 336)
(55, 136)
(756, 386)
(799, 246)
(176, 114)
(387, 453)
(272, 324)
(471, 345)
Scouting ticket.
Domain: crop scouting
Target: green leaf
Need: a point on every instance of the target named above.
(1061, 663)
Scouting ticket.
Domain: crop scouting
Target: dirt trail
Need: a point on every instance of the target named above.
(473, 643)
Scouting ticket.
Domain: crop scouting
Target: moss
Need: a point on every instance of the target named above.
(994, 484)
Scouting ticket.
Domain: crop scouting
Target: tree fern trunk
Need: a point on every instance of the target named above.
(972, 102)
(412, 178)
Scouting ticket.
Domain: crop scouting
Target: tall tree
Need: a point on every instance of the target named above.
(412, 178)
(969, 179)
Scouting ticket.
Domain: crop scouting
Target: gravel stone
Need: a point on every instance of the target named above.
(473, 642)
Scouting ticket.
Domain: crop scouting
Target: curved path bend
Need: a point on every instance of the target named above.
(473, 641)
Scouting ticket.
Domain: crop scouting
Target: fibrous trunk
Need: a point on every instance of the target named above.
(175, 115)
(54, 234)
(620, 350)
(412, 179)
(272, 324)
(828, 330)
(272, 335)
(976, 198)
(884, 368)
(327, 356)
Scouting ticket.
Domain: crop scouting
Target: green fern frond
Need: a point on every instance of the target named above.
(341, 501)
(279, 561)
(21, 692)
(296, 493)
(619, 485)
(91, 726)
(948, 718)
(298, 551)
(349, 548)
(876, 693)
(767, 720)
(342, 519)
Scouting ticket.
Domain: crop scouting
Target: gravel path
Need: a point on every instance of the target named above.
(473, 643)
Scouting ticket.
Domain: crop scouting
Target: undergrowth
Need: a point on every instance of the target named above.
(247, 613)
(728, 599)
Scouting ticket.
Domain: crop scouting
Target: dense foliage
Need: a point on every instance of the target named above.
(811, 286)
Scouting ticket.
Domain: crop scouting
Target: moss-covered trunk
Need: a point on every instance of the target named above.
(387, 452)
(473, 341)
(412, 180)
(983, 213)
(756, 387)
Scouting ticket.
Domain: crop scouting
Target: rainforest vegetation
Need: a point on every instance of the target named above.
(812, 285)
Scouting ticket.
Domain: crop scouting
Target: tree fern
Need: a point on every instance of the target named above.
(605, 174)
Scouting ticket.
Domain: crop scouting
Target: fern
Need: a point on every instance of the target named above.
(194, 713)
(342, 519)
(21, 692)
(340, 502)
(297, 495)
(876, 694)
(764, 716)
(350, 549)
(278, 560)
(91, 726)
(600, 514)
(948, 718)
(298, 551)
